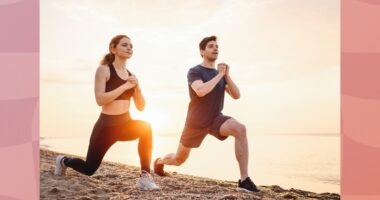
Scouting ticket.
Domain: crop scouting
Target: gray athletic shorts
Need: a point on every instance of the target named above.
(192, 137)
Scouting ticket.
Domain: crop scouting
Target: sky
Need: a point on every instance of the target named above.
(284, 57)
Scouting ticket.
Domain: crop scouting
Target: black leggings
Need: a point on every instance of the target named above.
(107, 130)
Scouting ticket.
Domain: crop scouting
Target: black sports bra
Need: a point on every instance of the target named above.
(115, 81)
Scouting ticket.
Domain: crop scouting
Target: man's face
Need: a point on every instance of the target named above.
(211, 51)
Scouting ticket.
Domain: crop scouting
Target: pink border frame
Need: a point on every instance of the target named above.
(19, 99)
(360, 99)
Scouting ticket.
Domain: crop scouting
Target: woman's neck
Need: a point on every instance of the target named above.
(120, 64)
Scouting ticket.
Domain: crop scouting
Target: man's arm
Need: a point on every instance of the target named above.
(202, 89)
(231, 87)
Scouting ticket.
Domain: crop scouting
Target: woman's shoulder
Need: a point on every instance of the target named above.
(103, 70)
(103, 67)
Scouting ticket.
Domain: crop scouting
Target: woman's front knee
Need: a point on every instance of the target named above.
(146, 127)
(144, 130)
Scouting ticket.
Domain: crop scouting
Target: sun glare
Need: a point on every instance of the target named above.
(158, 120)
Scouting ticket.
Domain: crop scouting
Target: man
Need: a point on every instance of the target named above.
(206, 87)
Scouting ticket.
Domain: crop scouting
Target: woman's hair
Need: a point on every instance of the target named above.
(109, 57)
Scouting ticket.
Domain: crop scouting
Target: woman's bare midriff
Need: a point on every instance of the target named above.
(117, 107)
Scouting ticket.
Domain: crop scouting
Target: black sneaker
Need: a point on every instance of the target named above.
(247, 185)
(159, 168)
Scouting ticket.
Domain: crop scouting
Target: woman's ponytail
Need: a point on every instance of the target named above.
(108, 59)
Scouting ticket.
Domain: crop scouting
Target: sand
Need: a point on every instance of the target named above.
(117, 181)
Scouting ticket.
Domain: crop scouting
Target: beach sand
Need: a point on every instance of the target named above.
(117, 181)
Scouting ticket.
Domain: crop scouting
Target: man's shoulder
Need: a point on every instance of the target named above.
(197, 68)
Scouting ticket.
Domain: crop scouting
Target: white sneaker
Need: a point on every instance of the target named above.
(60, 167)
(146, 182)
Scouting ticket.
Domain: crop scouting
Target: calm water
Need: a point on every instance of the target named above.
(308, 162)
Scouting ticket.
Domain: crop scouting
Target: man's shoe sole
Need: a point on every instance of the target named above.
(239, 189)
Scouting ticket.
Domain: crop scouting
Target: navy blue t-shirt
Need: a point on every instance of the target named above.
(203, 110)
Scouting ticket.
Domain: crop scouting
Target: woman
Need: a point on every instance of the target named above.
(114, 88)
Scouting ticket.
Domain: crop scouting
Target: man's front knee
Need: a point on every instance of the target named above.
(240, 131)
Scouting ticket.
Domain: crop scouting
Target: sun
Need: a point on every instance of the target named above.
(156, 118)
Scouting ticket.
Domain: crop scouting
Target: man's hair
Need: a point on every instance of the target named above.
(203, 43)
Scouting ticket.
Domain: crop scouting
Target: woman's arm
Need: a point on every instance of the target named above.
(103, 97)
(138, 97)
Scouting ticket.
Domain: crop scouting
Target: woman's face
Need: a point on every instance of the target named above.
(124, 49)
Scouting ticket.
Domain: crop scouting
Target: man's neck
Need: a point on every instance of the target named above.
(208, 64)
